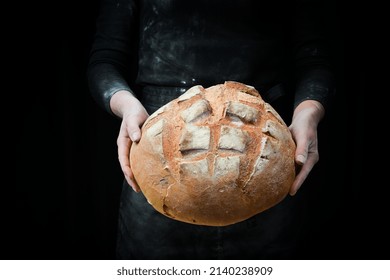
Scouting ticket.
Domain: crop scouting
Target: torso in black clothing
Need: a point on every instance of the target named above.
(207, 42)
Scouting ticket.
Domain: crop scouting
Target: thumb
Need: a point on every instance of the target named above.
(134, 124)
(301, 154)
(300, 159)
(135, 134)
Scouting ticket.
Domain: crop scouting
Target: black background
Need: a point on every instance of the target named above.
(67, 180)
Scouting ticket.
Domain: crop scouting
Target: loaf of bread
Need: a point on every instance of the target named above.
(214, 156)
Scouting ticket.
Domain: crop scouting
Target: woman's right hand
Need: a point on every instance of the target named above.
(133, 114)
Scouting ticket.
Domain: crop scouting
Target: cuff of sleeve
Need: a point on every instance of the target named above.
(317, 84)
(104, 81)
(109, 93)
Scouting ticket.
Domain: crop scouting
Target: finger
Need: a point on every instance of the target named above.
(133, 183)
(134, 128)
(301, 152)
(300, 158)
(299, 179)
(130, 132)
(135, 134)
(303, 173)
(124, 145)
(124, 160)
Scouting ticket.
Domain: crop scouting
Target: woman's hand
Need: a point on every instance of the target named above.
(306, 118)
(133, 114)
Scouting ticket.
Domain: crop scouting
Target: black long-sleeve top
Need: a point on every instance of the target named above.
(177, 43)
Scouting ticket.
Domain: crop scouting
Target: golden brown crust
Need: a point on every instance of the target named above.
(214, 156)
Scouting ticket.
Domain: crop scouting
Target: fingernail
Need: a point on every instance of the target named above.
(301, 159)
(135, 136)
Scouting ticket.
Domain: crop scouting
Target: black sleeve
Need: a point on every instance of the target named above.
(314, 77)
(110, 68)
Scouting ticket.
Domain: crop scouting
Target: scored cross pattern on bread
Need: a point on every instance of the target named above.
(214, 156)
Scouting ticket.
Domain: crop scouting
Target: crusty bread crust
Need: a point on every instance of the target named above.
(214, 156)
